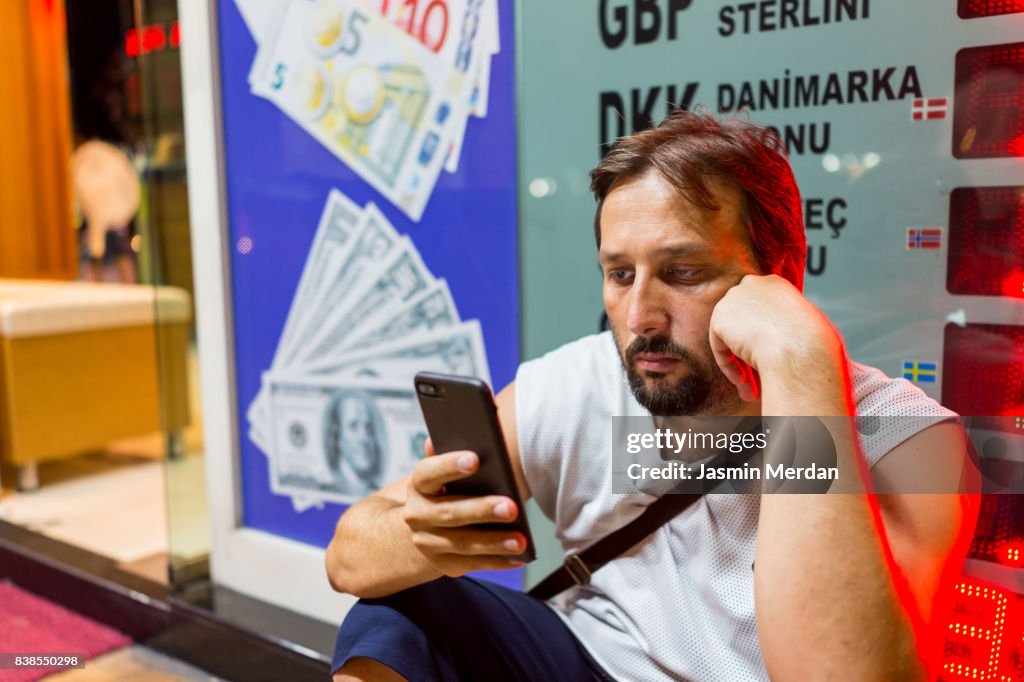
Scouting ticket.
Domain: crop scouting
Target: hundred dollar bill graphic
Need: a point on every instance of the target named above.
(403, 276)
(430, 309)
(366, 316)
(384, 104)
(341, 271)
(375, 240)
(339, 222)
(340, 440)
(455, 350)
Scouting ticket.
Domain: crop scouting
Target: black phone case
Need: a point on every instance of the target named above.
(461, 415)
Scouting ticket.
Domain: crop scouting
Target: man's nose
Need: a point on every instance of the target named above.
(648, 315)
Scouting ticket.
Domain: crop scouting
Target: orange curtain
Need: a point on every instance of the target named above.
(36, 231)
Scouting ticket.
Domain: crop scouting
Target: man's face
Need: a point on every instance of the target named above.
(666, 263)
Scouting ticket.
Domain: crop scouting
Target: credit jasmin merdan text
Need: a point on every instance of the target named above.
(676, 471)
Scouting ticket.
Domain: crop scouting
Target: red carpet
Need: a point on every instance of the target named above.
(30, 624)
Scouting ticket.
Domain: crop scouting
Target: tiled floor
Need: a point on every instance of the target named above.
(127, 502)
(109, 504)
(117, 506)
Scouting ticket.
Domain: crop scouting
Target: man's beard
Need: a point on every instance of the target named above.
(704, 390)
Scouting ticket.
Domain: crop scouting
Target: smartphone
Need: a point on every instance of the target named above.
(461, 415)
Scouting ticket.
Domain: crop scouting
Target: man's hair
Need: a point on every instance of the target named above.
(688, 149)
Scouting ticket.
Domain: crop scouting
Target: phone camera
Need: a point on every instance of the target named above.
(427, 389)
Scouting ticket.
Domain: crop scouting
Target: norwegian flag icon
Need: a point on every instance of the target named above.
(929, 109)
(924, 238)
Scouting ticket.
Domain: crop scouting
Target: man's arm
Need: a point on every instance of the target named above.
(410, 533)
(929, 532)
(836, 580)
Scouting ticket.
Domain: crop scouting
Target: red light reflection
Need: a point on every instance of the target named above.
(1013, 285)
(983, 373)
(986, 242)
(152, 38)
(988, 100)
(131, 43)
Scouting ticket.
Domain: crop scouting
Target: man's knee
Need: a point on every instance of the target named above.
(366, 670)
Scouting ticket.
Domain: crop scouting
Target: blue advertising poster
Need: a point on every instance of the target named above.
(370, 173)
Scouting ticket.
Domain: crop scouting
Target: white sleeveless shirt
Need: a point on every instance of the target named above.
(679, 606)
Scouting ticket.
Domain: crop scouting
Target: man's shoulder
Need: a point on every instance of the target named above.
(890, 410)
(564, 403)
(876, 393)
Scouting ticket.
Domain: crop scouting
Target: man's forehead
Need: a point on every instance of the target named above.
(653, 181)
(652, 203)
(668, 249)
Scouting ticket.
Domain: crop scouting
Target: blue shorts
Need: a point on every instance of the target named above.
(464, 629)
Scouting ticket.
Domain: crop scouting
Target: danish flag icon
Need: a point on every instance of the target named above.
(929, 109)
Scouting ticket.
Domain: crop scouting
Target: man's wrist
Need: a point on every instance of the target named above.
(810, 377)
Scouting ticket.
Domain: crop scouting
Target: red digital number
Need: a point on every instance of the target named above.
(974, 641)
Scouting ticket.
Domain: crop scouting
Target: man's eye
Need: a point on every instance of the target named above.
(684, 274)
(619, 275)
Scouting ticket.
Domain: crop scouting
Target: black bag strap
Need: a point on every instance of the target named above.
(577, 568)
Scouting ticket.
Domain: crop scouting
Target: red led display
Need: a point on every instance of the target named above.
(986, 242)
(983, 372)
(971, 9)
(988, 110)
(999, 533)
(983, 636)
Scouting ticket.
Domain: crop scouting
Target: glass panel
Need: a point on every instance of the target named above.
(89, 383)
(152, 45)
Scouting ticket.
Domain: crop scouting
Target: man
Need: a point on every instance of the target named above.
(702, 248)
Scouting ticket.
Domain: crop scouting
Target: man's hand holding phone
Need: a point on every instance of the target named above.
(445, 528)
